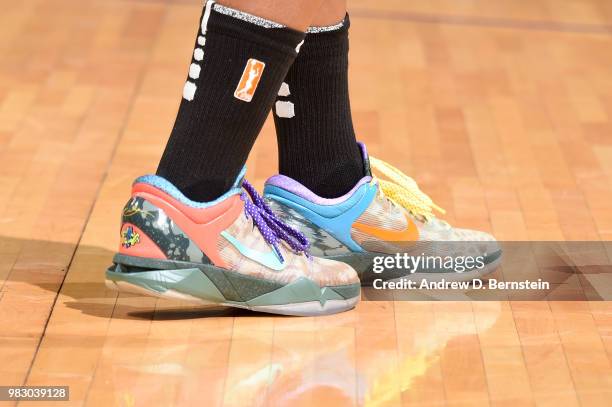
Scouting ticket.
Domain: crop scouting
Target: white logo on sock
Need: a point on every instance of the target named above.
(189, 90)
(284, 108)
(284, 90)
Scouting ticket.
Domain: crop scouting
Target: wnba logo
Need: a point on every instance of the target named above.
(249, 80)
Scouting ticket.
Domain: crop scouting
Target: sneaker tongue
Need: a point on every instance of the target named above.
(366, 160)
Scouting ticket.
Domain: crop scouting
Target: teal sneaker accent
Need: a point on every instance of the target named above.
(338, 219)
(270, 259)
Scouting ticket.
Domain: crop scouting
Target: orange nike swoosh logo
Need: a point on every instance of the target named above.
(411, 233)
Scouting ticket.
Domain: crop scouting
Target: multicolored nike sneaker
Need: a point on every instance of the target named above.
(232, 251)
(384, 228)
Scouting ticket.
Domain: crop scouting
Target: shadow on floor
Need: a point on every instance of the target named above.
(37, 270)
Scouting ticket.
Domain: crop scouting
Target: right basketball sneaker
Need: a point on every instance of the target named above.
(379, 219)
(232, 251)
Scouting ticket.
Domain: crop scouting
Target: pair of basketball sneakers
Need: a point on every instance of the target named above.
(290, 252)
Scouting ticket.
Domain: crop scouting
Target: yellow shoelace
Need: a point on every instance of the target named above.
(403, 190)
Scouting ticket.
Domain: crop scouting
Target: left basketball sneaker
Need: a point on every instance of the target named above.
(379, 219)
(232, 251)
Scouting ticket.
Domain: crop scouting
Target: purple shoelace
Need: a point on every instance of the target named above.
(271, 227)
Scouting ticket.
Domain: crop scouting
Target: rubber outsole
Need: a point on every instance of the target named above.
(207, 284)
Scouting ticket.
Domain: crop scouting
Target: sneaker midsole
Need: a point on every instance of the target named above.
(214, 284)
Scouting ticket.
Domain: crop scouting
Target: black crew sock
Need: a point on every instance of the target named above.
(312, 115)
(238, 64)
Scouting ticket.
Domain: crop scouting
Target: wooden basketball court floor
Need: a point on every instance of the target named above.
(502, 110)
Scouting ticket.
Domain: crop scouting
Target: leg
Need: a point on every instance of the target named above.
(316, 140)
(236, 69)
(201, 233)
(330, 12)
(318, 150)
(295, 14)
